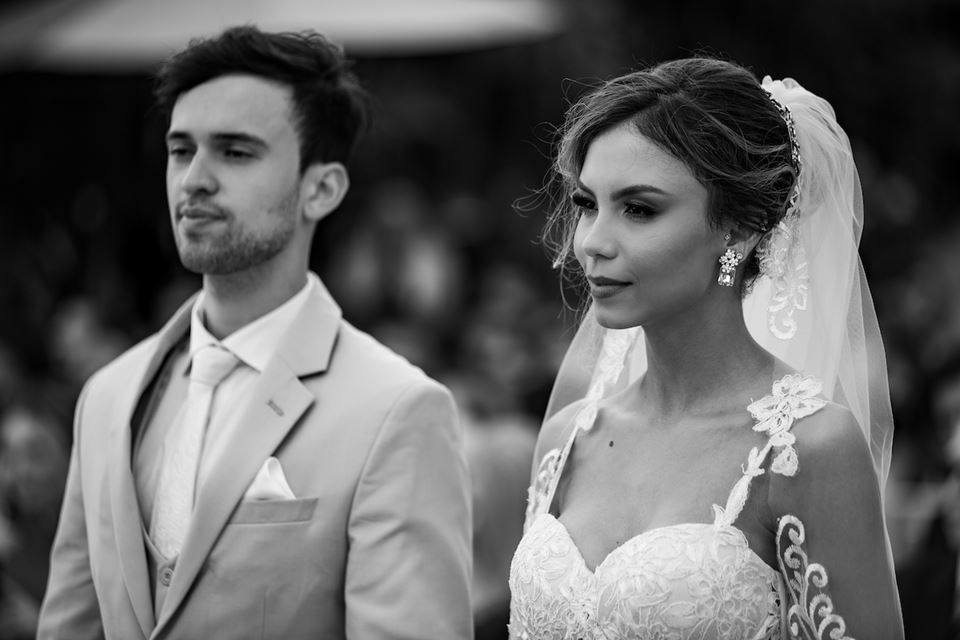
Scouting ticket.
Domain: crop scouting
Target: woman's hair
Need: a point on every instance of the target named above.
(330, 107)
(710, 114)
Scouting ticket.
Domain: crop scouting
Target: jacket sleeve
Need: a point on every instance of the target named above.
(409, 561)
(70, 608)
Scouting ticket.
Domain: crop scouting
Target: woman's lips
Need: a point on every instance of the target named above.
(602, 287)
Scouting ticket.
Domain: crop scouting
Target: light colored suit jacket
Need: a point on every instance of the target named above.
(376, 544)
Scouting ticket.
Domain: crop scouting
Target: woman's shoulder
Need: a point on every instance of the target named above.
(822, 428)
(832, 433)
(833, 458)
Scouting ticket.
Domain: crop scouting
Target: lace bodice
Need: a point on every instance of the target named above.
(695, 581)
(682, 581)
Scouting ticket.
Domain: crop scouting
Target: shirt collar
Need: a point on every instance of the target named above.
(257, 342)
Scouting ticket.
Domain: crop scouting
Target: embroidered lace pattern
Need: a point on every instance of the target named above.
(810, 614)
(783, 259)
(693, 581)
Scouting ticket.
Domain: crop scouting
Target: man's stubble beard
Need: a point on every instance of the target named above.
(236, 249)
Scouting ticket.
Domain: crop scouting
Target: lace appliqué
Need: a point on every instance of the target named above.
(681, 582)
(781, 254)
(616, 343)
(810, 615)
(783, 259)
(793, 397)
(539, 491)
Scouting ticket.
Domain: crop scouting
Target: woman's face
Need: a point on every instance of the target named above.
(643, 238)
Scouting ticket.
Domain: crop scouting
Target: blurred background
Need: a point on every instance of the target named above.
(428, 252)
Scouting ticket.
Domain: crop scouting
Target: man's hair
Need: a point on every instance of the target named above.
(330, 108)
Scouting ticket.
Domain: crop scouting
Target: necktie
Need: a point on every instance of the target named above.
(173, 504)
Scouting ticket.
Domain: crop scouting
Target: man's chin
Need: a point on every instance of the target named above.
(204, 263)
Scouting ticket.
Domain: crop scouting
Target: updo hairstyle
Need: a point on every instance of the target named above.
(710, 114)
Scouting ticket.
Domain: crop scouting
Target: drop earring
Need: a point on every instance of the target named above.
(728, 267)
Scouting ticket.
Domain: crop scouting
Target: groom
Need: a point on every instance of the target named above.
(260, 468)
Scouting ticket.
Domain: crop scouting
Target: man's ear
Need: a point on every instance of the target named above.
(322, 188)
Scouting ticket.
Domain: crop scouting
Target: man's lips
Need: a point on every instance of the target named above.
(199, 212)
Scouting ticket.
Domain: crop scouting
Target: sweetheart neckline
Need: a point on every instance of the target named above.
(741, 536)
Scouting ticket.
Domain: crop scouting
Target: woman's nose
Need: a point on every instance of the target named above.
(598, 236)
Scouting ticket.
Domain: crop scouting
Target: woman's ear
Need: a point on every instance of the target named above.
(742, 239)
(322, 188)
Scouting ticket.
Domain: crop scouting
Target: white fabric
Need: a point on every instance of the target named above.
(256, 342)
(679, 582)
(175, 491)
(815, 312)
(270, 483)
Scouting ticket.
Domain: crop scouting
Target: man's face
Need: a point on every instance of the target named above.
(233, 174)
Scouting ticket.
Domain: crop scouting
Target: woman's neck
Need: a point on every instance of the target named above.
(698, 362)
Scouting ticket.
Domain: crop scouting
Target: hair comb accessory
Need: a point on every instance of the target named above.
(795, 158)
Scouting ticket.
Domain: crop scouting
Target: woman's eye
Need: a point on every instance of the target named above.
(638, 210)
(582, 202)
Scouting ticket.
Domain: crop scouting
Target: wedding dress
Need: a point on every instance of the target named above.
(692, 581)
(812, 310)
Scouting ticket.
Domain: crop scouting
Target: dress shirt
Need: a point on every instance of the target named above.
(254, 345)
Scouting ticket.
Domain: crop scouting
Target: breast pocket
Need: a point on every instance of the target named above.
(252, 512)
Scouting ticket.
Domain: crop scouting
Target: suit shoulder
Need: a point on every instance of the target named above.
(380, 369)
(123, 366)
(360, 347)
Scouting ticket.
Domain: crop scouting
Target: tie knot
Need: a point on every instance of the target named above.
(211, 364)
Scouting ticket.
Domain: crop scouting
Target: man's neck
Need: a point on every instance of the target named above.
(232, 301)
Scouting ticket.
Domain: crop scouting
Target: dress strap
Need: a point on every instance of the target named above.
(794, 396)
(616, 344)
(544, 486)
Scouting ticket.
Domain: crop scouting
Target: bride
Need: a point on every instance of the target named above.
(714, 454)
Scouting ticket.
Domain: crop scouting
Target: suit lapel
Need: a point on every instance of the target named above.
(125, 508)
(270, 412)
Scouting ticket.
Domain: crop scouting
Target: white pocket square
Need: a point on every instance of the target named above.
(270, 483)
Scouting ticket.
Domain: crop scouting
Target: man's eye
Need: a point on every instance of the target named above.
(237, 153)
(178, 152)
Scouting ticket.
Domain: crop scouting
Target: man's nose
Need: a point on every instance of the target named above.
(199, 175)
